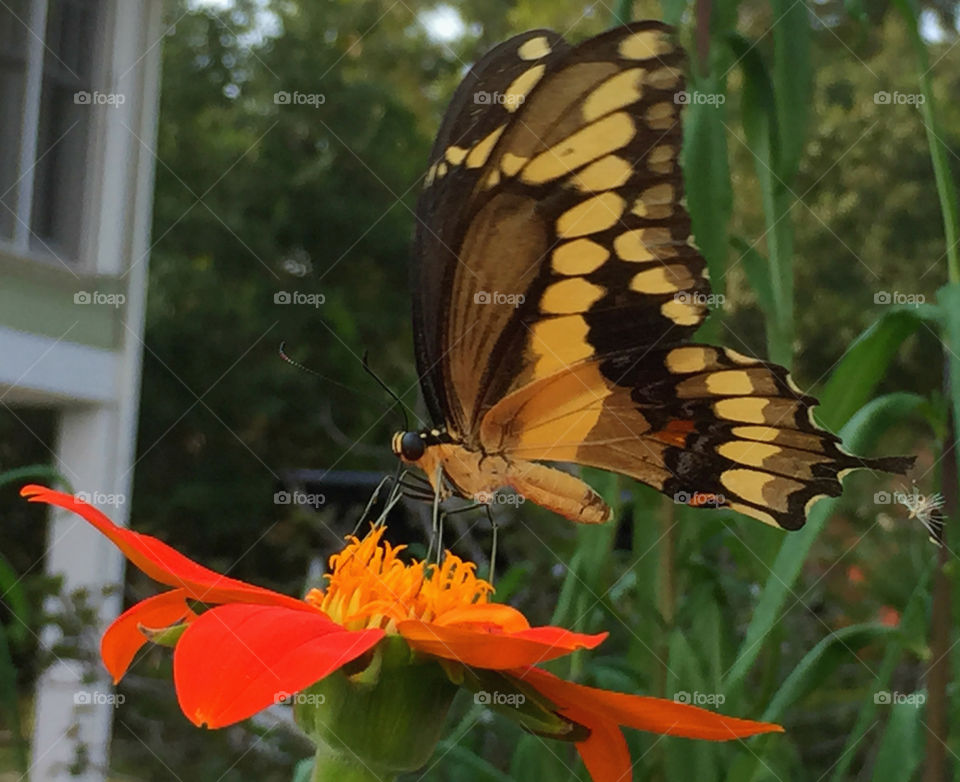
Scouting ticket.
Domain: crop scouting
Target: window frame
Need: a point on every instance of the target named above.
(24, 242)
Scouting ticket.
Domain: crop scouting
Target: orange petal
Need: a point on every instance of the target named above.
(656, 715)
(605, 753)
(495, 651)
(163, 563)
(123, 639)
(237, 659)
(494, 616)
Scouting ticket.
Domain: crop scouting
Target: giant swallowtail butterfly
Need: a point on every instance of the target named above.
(556, 286)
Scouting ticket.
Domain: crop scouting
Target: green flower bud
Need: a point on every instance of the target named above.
(384, 719)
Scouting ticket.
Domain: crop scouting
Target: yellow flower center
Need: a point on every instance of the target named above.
(369, 586)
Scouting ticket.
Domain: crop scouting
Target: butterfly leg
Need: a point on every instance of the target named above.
(493, 548)
(437, 517)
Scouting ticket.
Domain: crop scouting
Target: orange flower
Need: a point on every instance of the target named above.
(232, 659)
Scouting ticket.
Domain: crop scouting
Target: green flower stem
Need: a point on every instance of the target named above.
(333, 766)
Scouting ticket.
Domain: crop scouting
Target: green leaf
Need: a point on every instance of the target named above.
(792, 78)
(819, 663)
(622, 12)
(949, 299)
(672, 11)
(535, 758)
(759, 116)
(685, 682)
(37, 472)
(466, 760)
(758, 274)
(15, 597)
(303, 771)
(9, 702)
(900, 748)
(706, 175)
(864, 365)
(946, 188)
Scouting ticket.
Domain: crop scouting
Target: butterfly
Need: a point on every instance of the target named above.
(556, 287)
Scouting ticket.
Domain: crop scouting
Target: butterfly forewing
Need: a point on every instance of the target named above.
(570, 238)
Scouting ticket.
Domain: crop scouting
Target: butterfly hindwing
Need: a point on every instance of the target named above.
(704, 425)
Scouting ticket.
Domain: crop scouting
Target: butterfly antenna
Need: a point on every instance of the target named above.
(385, 387)
(282, 351)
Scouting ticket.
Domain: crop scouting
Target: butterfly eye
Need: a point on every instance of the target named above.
(412, 446)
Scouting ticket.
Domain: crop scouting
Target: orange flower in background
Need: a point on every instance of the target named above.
(249, 644)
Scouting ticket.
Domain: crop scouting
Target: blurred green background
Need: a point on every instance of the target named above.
(815, 200)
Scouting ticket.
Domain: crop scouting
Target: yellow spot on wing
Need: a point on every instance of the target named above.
(606, 173)
(534, 49)
(520, 87)
(481, 150)
(556, 343)
(661, 279)
(660, 159)
(684, 360)
(510, 164)
(655, 202)
(651, 211)
(764, 433)
(615, 93)
(760, 488)
(730, 382)
(663, 193)
(441, 169)
(637, 245)
(455, 154)
(570, 296)
(663, 78)
(681, 312)
(740, 358)
(748, 410)
(581, 256)
(748, 453)
(661, 116)
(594, 141)
(644, 45)
(629, 246)
(595, 214)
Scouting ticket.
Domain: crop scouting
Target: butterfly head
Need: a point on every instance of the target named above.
(411, 446)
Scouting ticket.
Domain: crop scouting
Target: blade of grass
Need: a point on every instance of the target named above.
(864, 365)
(758, 275)
(793, 553)
(10, 704)
(912, 628)
(899, 753)
(706, 175)
(820, 662)
(760, 124)
(946, 188)
(793, 81)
